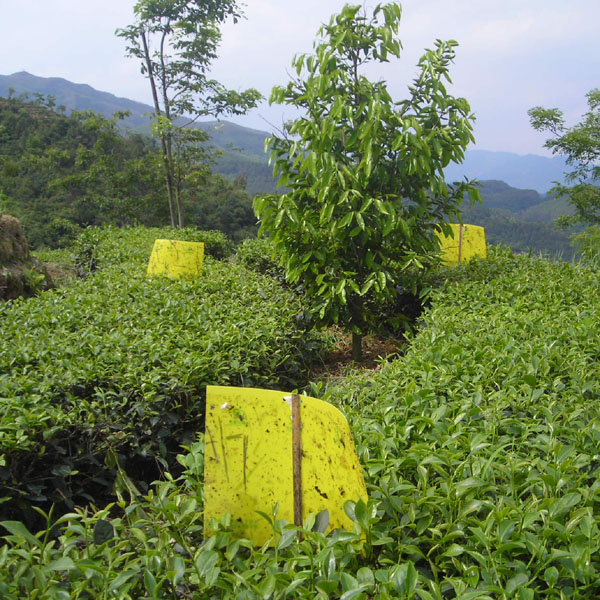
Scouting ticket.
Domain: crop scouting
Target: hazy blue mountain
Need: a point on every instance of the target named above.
(528, 171)
(520, 171)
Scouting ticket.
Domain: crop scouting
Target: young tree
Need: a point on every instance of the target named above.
(581, 145)
(176, 42)
(365, 173)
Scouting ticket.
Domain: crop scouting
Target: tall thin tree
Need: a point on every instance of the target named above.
(176, 42)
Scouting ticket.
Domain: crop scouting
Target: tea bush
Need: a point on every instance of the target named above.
(120, 361)
(480, 452)
(481, 444)
(587, 245)
(100, 247)
(257, 254)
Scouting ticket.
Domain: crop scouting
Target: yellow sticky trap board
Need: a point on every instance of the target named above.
(176, 259)
(468, 241)
(249, 463)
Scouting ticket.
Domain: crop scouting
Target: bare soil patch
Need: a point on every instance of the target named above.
(338, 362)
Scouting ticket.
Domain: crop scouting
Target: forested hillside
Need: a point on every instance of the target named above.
(61, 173)
(521, 219)
(529, 171)
(240, 149)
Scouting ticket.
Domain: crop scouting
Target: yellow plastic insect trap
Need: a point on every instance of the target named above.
(176, 259)
(468, 241)
(265, 447)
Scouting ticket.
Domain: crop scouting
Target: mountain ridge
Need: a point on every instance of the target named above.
(528, 171)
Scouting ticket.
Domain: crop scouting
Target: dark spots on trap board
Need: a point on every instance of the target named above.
(322, 494)
(342, 491)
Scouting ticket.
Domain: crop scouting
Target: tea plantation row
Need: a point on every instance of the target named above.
(481, 446)
(119, 362)
(480, 452)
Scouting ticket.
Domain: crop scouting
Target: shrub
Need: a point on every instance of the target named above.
(479, 448)
(100, 247)
(257, 254)
(119, 362)
(480, 445)
(587, 245)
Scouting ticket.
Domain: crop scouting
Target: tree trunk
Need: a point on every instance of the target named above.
(163, 141)
(179, 208)
(357, 347)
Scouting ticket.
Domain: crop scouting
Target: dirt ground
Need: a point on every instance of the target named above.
(338, 362)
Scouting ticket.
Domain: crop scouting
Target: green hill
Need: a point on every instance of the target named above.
(517, 217)
(242, 147)
(548, 210)
(498, 194)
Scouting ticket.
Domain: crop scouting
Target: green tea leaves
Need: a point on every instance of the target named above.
(103, 532)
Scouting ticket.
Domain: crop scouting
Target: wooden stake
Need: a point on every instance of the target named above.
(297, 459)
(460, 234)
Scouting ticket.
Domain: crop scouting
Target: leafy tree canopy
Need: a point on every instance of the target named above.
(61, 173)
(176, 42)
(366, 191)
(580, 144)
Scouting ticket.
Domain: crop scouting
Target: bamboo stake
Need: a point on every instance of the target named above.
(297, 459)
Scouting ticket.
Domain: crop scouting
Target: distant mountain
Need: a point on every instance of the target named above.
(549, 210)
(75, 96)
(525, 205)
(526, 172)
(80, 96)
(498, 194)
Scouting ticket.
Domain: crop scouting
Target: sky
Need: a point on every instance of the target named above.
(512, 54)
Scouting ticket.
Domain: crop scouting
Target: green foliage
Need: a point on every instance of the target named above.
(365, 173)
(100, 247)
(581, 145)
(118, 362)
(63, 173)
(587, 245)
(176, 43)
(257, 254)
(480, 444)
(479, 449)
(225, 206)
(155, 549)
(82, 171)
